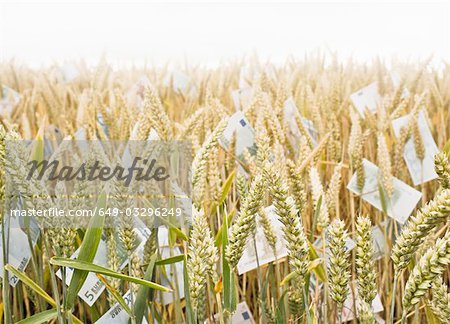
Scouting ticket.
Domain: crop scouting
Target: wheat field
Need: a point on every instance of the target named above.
(320, 194)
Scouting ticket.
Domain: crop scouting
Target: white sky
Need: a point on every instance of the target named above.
(41, 32)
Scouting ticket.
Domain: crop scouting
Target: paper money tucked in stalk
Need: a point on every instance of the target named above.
(395, 78)
(8, 100)
(247, 75)
(242, 315)
(366, 99)
(180, 82)
(348, 313)
(421, 170)
(399, 205)
(69, 72)
(93, 287)
(242, 97)
(379, 240)
(135, 96)
(174, 272)
(19, 253)
(103, 126)
(117, 315)
(263, 250)
(291, 117)
(245, 135)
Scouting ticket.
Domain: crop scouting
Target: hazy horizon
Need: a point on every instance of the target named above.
(43, 32)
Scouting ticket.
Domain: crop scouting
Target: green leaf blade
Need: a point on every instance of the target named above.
(90, 267)
(87, 253)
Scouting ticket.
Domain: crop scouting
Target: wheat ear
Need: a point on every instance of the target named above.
(338, 273)
(440, 304)
(384, 162)
(294, 234)
(200, 163)
(430, 266)
(418, 227)
(365, 313)
(442, 167)
(318, 193)
(245, 223)
(365, 266)
(202, 259)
